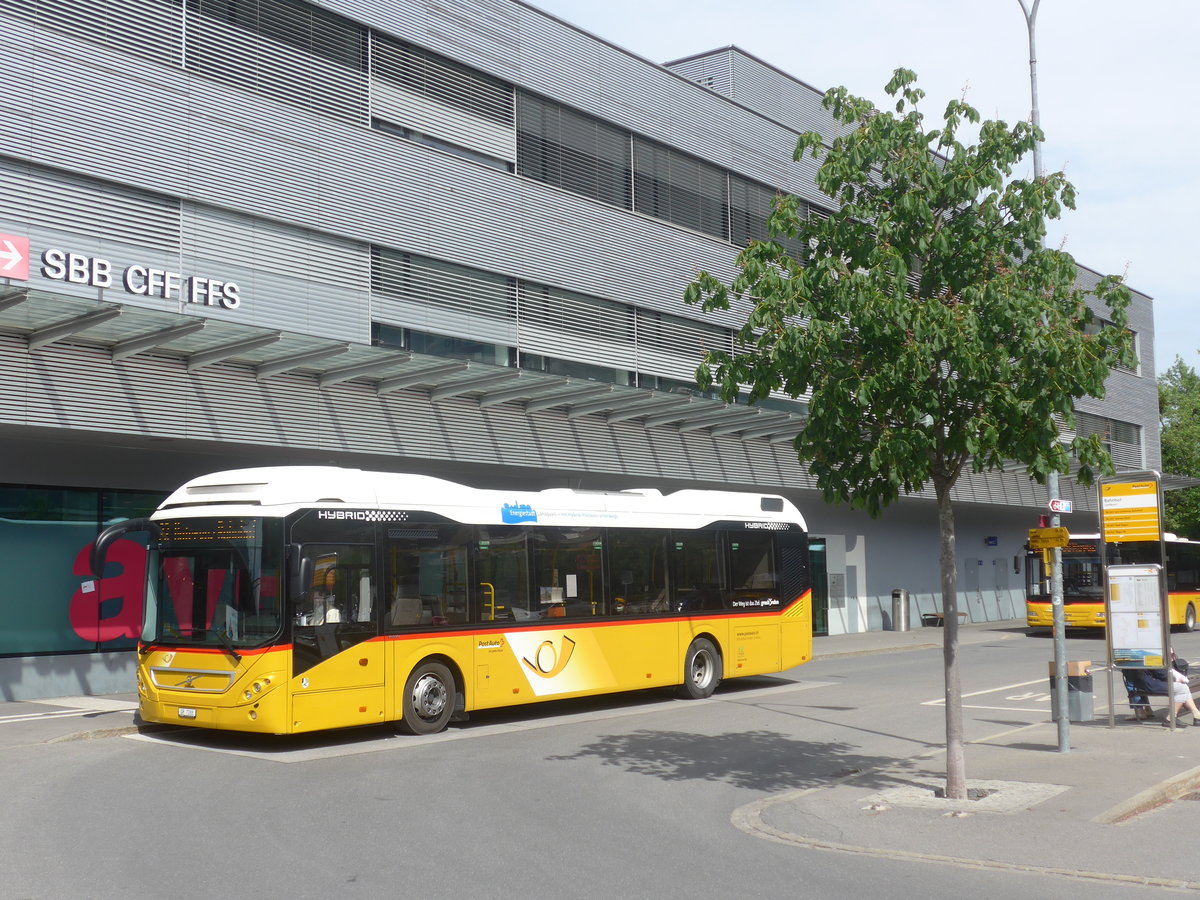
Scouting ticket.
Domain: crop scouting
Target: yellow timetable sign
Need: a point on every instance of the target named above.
(1048, 538)
(1129, 511)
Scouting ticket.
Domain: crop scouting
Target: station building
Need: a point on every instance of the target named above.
(449, 238)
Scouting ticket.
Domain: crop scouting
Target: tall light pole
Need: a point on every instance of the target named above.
(1052, 494)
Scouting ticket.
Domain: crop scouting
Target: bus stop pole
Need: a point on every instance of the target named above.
(1060, 627)
(1056, 586)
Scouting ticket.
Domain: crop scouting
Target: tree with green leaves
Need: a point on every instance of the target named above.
(1179, 416)
(928, 325)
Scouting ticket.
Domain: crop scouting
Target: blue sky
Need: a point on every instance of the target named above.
(1116, 84)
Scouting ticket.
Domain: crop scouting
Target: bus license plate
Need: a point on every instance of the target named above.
(186, 712)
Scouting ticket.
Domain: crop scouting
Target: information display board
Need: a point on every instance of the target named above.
(1135, 612)
(1129, 511)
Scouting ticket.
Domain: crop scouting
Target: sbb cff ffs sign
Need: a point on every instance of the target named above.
(94, 271)
(1061, 506)
(145, 281)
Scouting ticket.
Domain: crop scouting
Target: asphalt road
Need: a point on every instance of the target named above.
(627, 796)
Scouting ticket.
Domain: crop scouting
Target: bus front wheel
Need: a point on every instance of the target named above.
(429, 698)
(701, 670)
(1189, 619)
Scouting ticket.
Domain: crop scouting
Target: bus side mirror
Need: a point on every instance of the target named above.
(300, 571)
(98, 557)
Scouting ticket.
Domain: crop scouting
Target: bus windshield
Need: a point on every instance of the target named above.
(1082, 575)
(214, 582)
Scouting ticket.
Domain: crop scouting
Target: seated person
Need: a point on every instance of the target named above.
(1160, 682)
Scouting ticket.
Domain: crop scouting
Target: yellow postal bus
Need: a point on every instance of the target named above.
(291, 599)
(1083, 580)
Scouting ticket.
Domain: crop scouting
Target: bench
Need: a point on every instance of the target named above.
(938, 619)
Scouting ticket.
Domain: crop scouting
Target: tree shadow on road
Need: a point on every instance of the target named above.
(759, 760)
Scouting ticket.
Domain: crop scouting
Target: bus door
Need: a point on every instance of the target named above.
(337, 670)
(502, 598)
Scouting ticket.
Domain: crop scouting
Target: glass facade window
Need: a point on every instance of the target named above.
(674, 386)
(293, 23)
(1123, 440)
(456, 296)
(581, 371)
(51, 602)
(441, 345)
(574, 151)
(750, 205)
(1094, 326)
(426, 140)
(680, 188)
(437, 78)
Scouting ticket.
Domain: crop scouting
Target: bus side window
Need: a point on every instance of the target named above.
(637, 571)
(426, 575)
(567, 571)
(501, 580)
(752, 571)
(700, 580)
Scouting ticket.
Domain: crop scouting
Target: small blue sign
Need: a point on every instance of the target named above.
(516, 513)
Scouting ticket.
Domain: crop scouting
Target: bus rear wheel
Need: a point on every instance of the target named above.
(428, 700)
(701, 670)
(1189, 619)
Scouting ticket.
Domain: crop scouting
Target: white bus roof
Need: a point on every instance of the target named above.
(281, 490)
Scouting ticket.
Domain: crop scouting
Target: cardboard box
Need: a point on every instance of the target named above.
(1074, 667)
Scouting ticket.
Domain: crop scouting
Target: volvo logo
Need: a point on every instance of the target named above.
(189, 680)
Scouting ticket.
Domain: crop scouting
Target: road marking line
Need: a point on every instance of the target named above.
(1007, 687)
(33, 717)
(92, 704)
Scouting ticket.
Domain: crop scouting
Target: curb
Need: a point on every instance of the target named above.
(1151, 799)
(748, 819)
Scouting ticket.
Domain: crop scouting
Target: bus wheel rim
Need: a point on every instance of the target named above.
(429, 697)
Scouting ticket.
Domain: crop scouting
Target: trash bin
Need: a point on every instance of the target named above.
(899, 610)
(1080, 701)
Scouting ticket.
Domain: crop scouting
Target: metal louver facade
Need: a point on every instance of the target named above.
(450, 237)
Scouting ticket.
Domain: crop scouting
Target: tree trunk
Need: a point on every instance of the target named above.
(956, 774)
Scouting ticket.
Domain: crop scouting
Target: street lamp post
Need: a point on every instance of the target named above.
(1052, 491)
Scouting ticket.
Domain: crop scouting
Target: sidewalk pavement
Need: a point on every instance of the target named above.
(1113, 810)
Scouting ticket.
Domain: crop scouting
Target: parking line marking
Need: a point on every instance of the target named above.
(1007, 687)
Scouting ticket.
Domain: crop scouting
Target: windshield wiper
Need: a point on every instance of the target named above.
(227, 643)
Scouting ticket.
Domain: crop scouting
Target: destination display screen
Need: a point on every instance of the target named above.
(237, 529)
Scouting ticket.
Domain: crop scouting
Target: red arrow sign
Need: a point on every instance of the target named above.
(14, 257)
